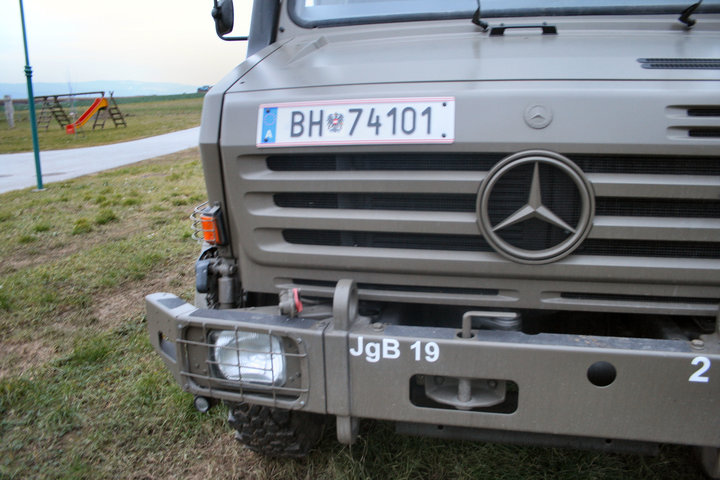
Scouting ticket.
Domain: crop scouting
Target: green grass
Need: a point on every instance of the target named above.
(145, 117)
(83, 395)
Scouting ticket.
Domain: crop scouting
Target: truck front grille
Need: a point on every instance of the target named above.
(412, 219)
(677, 191)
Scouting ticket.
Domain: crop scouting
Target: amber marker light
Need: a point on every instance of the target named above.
(211, 232)
(208, 225)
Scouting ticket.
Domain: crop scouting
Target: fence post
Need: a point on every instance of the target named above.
(9, 111)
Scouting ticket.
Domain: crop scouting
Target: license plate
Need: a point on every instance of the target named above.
(357, 122)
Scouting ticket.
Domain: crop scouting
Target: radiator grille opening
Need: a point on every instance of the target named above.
(468, 243)
(395, 161)
(657, 207)
(378, 201)
(637, 298)
(412, 241)
(622, 164)
(713, 111)
(648, 165)
(604, 206)
(704, 132)
(643, 248)
(402, 288)
(611, 206)
(680, 63)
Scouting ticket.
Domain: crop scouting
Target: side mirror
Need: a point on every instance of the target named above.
(224, 16)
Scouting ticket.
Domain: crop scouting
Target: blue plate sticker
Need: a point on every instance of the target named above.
(269, 124)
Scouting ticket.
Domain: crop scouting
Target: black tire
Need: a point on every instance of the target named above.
(276, 432)
(710, 461)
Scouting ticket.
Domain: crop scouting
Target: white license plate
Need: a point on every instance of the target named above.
(357, 122)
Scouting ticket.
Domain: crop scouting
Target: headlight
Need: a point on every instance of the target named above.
(248, 357)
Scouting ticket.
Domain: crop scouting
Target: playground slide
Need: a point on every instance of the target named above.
(96, 106)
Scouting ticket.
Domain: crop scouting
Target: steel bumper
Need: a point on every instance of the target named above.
(647, 390)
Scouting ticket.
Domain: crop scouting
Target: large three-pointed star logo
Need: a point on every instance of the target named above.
(534, 208)
(536, 231)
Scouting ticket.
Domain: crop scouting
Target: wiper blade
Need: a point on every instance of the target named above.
(478, 21)
(685, 15)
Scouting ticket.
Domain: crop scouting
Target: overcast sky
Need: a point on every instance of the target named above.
(140, 40)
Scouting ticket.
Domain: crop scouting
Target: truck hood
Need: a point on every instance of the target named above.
(451, 51)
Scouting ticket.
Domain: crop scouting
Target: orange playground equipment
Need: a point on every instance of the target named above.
(101, 108)
(97, 105)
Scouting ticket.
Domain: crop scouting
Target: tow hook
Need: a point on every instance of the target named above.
(469, 393)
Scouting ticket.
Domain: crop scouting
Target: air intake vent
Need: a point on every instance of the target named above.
(704, 132)
(694, 121)
(680, 63)
(711, 111)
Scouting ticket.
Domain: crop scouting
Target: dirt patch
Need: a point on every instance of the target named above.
(113, 306)
(109, 309)
(218, 456)
(18, 358)
(228, 460)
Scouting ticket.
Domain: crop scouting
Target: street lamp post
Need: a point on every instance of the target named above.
(31, 104)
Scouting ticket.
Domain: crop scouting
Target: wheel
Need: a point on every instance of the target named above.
(276, 432)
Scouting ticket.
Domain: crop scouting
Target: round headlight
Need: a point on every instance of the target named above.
(249, 357)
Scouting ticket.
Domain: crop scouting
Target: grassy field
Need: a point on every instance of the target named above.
(145, 117)
(82, 394)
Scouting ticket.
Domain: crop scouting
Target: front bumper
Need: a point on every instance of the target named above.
(662, 391)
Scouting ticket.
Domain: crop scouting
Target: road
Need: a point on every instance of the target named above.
(17, 170)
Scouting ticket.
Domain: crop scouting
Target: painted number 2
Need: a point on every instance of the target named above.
(699, 376)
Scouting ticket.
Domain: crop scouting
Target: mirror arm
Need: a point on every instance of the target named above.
(233, 39)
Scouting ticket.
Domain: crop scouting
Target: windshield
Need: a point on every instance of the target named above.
(316, 13)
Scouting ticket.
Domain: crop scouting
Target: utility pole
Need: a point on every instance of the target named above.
(31, 104)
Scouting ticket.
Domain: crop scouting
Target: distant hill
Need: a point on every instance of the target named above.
(120, 88)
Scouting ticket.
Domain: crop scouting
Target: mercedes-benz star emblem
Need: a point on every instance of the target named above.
(535, 207)
(538, 116)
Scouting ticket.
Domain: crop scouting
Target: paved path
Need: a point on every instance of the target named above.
(17, 170)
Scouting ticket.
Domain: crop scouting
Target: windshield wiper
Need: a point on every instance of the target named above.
(685, 15)
(478, 21)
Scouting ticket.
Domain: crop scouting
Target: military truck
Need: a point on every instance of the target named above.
(495, 221)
